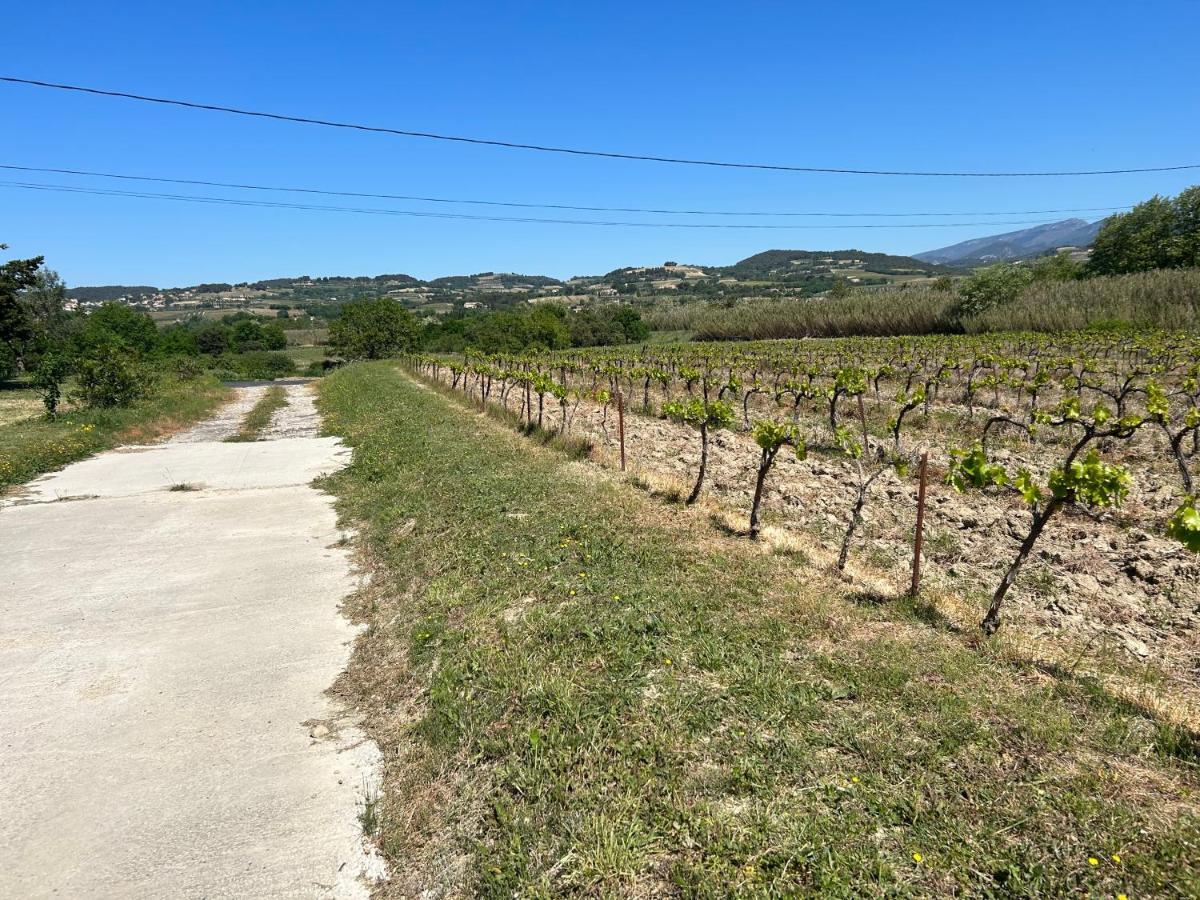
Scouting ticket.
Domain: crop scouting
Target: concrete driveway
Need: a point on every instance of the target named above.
(164, 730)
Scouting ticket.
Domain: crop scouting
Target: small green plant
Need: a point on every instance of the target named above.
(847, 382)
(971, 469)
(1089, 482)
(877, 463)
(368, 816)
(1184, 525)
(706, 416)
(771, 437)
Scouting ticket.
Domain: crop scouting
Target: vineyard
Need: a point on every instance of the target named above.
(1055, 474)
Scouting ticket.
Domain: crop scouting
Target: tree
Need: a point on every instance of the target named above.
(630, 322)
(372, 329)
(1161, 233)
(1056, 267)
(116, 323)
(44, 302)
(547, 328)
(178, 340)
(249, 334)
(212, 338)
(16, 327)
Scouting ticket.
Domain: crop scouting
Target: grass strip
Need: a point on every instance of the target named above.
(578, 689)
(33, 446)
(260, 415)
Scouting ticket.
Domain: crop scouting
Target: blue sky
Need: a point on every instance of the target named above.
(910, 86)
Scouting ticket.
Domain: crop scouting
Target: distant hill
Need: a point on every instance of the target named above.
(775, 265)
(1025, 244)
(105, 292)
(777, 273)
(492, 280)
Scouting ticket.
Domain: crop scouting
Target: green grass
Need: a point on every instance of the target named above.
(303, 356)
(260, 415)
(18, 402)
(580, 690)
(33, 446)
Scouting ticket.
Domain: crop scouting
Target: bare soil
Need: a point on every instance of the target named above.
(1111, 583)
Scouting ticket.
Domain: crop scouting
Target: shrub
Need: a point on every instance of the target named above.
(52, 370)
(990, 287)
(264, 365)
(111, 376)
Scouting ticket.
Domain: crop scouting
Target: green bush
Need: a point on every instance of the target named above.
(990, 287)
(259, 365)
(111, 376)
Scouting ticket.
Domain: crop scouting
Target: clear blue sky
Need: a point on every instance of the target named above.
(883, 84)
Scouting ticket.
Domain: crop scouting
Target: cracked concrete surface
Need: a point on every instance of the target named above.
(163, 669)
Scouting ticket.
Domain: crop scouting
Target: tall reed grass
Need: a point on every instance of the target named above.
(1166, 298)
(878, 313)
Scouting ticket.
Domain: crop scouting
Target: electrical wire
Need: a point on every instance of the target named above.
(232, 201)
(561, 206)
(574, 151)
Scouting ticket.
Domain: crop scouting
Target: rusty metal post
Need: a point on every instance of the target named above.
(919, 536)
(621, 425)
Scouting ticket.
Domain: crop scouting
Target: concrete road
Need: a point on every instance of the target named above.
(164, 730)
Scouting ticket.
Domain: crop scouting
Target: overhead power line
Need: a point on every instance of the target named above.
(563, 206)
(425, 214)
(573, 151)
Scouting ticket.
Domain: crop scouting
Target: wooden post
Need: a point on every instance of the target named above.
(919, 536)
(621, 425)
(862, 417)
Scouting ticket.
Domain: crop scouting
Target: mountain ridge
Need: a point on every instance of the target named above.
(1010, 246)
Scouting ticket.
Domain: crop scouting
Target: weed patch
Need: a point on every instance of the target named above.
(260, 415)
